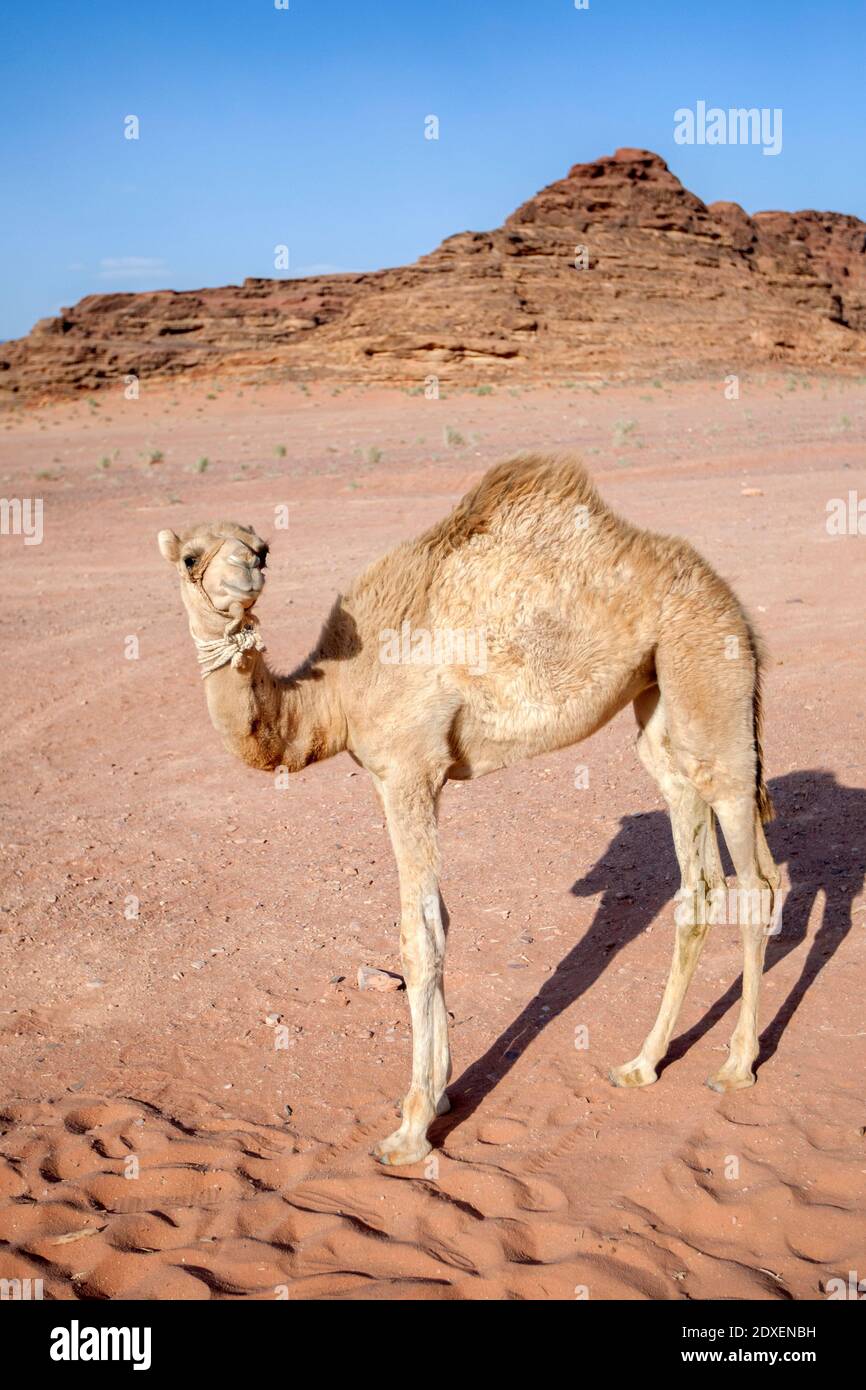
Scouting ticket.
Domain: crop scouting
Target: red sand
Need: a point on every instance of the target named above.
(150, 1037)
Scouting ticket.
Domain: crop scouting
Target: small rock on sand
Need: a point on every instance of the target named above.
(369, 977)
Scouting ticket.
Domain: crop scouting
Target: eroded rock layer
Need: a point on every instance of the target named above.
(615, 270)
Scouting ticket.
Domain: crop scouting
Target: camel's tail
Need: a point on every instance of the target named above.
(763, 799)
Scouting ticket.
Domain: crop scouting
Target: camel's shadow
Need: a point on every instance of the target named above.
(829, 857)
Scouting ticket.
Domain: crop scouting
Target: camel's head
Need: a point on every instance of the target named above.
(221, 566)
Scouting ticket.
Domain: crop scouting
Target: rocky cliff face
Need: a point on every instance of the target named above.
(615, 270)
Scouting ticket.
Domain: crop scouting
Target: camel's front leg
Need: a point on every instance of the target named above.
(411, 815)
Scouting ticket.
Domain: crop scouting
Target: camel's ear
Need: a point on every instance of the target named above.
(169, 546)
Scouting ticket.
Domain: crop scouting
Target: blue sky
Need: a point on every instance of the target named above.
(305, 126)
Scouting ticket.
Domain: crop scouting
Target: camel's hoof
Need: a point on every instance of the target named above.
(633, 1074)
(731, 1082)
(397, 1150)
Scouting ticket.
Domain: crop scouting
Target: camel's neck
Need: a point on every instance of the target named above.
(275, 721)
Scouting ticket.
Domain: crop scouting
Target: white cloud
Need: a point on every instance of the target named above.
(131, 267)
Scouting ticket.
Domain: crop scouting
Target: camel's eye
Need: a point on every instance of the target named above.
(189, 561)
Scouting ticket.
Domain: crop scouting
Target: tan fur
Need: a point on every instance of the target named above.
(570, 613)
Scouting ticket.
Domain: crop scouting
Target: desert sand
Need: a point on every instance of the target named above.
(180, 939)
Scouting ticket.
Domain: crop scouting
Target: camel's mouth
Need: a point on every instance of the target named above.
(246, 595)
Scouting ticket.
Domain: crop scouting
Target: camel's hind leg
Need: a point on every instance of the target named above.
(711, 691)
(697, 851)
(758, 882)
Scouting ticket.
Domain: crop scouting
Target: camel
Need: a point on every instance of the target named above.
(519, 624)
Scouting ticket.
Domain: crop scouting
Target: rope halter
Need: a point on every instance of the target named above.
(235, 641)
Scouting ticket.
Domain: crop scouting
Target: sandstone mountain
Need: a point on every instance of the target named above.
(616, 270)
